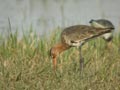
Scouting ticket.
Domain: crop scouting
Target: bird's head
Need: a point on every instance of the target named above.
(56, 50)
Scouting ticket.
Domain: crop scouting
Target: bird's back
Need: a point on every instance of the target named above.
(80, 33)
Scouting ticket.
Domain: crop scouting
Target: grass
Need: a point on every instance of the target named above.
(25, 64)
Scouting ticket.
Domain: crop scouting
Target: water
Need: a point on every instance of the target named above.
(46, 15)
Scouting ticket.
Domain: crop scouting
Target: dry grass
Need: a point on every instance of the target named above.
(25, 65)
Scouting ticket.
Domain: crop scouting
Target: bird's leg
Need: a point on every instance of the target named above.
(81, 59)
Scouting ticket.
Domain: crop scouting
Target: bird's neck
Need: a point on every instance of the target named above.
(62, 47)
(56, 50)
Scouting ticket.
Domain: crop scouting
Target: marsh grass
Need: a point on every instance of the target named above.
(25, 64)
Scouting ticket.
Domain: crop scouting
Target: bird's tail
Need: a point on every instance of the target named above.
(99, 32)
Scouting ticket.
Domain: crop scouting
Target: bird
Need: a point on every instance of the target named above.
(76, 36)
(103, 23)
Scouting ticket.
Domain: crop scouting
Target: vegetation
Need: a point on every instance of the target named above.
(25, 64)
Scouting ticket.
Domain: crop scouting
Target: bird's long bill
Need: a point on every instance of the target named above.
(54, 63)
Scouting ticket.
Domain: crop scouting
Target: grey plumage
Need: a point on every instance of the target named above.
(78, 34)
(103, 23)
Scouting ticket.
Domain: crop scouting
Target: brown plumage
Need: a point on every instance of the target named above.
(76, 36)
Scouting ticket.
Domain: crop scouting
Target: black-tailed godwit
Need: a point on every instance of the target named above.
(103, 23)
(76, 36)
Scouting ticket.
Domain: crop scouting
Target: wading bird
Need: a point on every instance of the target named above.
(76, 36)
(103, 23)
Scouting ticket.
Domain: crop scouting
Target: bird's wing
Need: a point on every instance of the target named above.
(81, 33)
